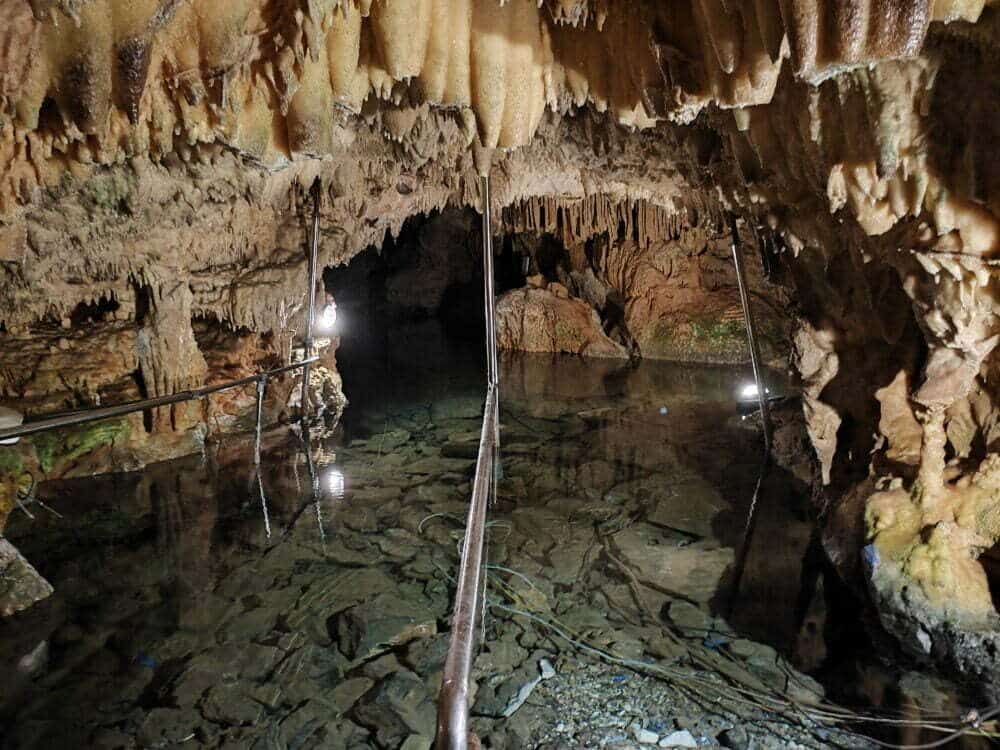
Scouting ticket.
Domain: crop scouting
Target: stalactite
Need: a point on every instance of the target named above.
(576, 220)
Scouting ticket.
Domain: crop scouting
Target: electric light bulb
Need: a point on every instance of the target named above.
(327, 318)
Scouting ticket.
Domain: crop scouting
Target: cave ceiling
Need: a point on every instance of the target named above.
(144, 142)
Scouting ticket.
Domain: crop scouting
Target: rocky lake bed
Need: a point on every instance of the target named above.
(201, 605)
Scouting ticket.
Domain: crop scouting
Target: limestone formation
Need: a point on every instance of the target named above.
(540, 320)
(155, 159)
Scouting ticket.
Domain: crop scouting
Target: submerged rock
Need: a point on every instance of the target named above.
(168, 726)
(681, 738)
(20, 584)
(399, 706)
(383, 623)
(697, 570)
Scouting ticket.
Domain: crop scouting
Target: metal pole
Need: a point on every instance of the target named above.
(107, 412)
(765, 412)
(453, 700)
(261, 388)
(311, 296)
(263, 504)
(489, 293)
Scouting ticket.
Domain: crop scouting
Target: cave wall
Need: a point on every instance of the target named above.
(662, 289)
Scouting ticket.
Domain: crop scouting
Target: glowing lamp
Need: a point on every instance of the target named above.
(327, 319)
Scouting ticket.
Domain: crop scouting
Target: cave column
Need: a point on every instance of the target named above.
(169, 358)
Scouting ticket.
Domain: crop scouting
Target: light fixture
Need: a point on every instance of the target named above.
(334, 482)
(327, 320)
(748, 391)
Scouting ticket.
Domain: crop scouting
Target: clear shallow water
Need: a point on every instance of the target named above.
(189, 612)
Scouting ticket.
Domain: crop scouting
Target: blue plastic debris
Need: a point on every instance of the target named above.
(659, 726)
(618, 679)
(145, 660)
(871, 559)
(714, 641)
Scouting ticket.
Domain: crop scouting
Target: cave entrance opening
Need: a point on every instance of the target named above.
(417, 299)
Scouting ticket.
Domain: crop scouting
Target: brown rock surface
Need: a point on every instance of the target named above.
(536, 320)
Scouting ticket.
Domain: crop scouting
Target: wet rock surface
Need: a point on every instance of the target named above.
(193, 610)
(20, 584)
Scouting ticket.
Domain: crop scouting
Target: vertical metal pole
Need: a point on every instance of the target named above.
(489, 293)
(261, 388)
(489, 300)
(311, 296)
(765, 412)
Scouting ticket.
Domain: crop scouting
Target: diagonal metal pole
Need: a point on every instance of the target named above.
(311, 296)
(765, 413)
(470, 597)
(758, 374)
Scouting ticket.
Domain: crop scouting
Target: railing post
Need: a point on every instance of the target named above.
(261, 390)
(489, 292)
(311, 295)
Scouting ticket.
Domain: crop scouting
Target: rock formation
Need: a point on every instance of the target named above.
(154, 158)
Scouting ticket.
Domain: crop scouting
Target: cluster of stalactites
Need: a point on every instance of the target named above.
(95, 81)
(576, 220)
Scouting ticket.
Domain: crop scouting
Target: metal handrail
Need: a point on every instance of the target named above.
(82, 416)
(107, 412)
(453, 700)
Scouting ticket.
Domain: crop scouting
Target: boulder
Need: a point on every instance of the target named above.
(537, 320)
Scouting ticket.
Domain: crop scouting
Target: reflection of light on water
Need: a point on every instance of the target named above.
(749, 392)
(333, 480)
